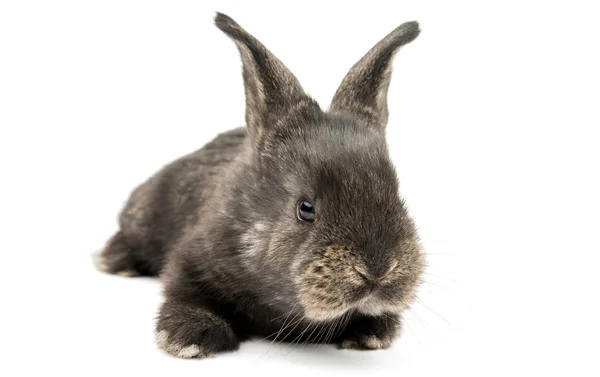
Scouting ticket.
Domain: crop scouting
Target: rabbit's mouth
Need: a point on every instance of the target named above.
(337, 281)
(374, 306)
(369, 303)
(327, 302)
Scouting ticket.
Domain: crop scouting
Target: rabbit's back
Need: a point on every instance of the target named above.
(160, 210)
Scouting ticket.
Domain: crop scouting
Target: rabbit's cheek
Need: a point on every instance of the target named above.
(253, 240)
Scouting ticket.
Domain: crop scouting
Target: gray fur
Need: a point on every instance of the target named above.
(220, 227)
(365, 87)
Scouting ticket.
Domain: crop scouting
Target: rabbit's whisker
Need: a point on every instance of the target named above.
(283, 328)
(443, 277)
(425, 325)
(301, 334)
(309, 337)
(432, 311)
(277, 333)
(293, 328)
(409, 327)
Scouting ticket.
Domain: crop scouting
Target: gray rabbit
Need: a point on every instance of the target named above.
(290, 228)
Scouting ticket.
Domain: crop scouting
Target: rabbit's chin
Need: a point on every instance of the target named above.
(368, 306)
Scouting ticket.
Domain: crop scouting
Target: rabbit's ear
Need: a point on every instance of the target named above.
(364, 89)
(271, 89)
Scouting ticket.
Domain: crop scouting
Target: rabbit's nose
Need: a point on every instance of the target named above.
(371, 278)
(364, 273)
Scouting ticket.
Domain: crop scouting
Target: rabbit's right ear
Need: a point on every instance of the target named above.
(271, 89)
(364, 89)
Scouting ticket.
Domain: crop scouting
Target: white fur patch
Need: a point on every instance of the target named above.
(127, 273)
(371, 342)
(373, 306)
(177, 350)
(161, 338)
(260, 227)
(253, 240)
(317, 315)
(99, 261)
(349, 344)
(189, 351)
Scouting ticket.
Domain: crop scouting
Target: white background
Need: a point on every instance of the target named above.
(494, 118)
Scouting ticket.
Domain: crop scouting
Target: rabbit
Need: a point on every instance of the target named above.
(290, 228)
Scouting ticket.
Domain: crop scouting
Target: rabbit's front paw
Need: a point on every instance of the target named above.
(366, 342)
(182, 350)
(370, 333)
(192, 332)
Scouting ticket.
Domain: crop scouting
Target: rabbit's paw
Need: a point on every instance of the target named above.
(173, 348)
(366, 342)
(370, 333)
(116, 258)
(191, 332)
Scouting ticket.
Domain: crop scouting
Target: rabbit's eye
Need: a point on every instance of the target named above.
(306, 211)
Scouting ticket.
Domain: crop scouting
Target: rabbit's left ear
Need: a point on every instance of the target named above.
(272, 91)
(364, 89)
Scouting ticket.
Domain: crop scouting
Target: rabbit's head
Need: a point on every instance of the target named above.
(325, 228)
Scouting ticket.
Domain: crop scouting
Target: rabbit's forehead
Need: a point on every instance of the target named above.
(368, 175)
(338, 174)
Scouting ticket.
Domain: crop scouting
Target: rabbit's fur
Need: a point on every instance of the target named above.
(221, 229)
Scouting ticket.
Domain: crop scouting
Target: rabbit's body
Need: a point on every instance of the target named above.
(290, 228)
(161, 209)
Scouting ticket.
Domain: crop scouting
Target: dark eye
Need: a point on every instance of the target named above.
(306, 211)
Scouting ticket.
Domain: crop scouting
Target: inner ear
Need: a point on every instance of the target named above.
(271, 90)
(364, 88)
